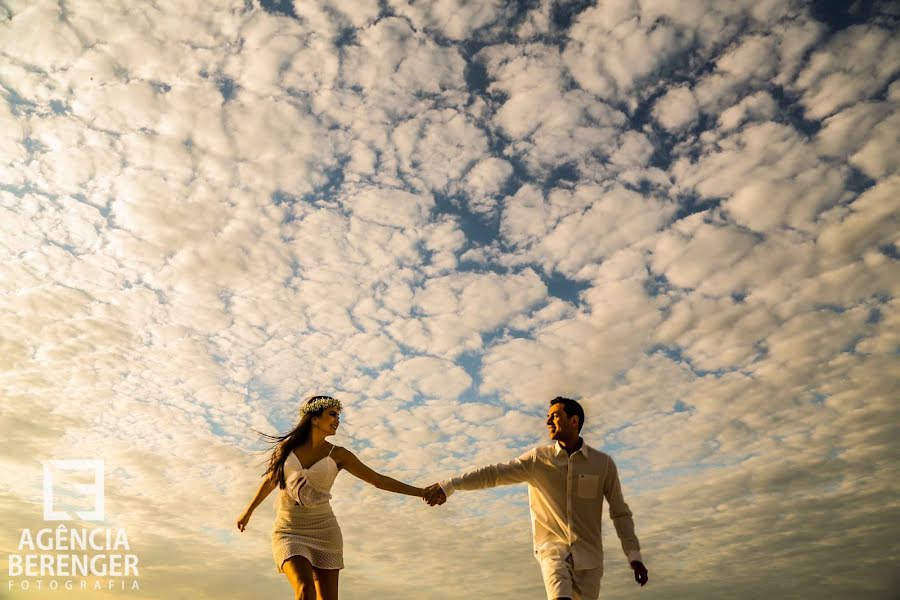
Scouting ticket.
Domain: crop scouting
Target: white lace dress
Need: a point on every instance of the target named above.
(304, 523)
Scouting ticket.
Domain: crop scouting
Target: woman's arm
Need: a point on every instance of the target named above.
(265, 488)
(356, 468)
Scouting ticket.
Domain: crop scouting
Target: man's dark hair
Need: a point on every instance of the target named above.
(572, 408)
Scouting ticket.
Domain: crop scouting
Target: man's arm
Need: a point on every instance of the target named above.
(515, 471)
(621, 514)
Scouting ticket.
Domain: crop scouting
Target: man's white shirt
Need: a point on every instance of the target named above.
(566, 494)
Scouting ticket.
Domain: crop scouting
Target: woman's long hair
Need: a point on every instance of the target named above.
(283, 445)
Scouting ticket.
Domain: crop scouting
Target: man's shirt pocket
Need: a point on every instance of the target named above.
(588, 486)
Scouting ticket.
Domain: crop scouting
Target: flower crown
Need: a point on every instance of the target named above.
(318, 403)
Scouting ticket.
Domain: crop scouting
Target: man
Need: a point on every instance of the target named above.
(567, 482)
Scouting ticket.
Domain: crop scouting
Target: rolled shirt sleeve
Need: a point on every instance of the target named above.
(448, 487)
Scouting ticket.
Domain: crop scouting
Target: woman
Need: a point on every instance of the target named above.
(306, 538)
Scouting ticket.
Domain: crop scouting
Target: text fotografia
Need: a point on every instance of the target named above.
(74, 553)
(82, 585)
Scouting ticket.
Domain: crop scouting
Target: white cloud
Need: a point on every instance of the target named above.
(536, 21)
(634, 150)
(43, 39)
(395, 208)
(453, 18)
(677, 109)
(752, 58)
(457, 309)
(870, 221)
(485, 180)
(273, 48)
(795, 38)
(393, 64)
(424, 375)
(330, 17)
(758, 107)
(525, 216)
(879, 156)
(570, 230)
(438, 147)
(770, 175)
(548, 123)
(853, 65)
(693, 250)
(612, 48)
(581, 239)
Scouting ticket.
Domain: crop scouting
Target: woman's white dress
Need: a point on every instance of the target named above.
(304, 523)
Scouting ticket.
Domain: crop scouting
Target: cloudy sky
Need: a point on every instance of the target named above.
(684, 213)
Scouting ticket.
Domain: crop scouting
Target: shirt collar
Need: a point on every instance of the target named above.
(558, 449)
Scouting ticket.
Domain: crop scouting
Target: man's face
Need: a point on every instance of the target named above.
(561, 426)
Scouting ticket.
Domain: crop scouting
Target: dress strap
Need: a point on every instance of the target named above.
(332, 450)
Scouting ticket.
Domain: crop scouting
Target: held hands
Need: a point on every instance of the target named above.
(434, 495)
(640, 572)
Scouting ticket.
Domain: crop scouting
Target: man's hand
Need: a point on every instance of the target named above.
(434, 495)
(640, 572)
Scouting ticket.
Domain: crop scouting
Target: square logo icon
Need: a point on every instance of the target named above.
(90, 494)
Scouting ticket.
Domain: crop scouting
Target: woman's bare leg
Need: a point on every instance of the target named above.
(299, 572)
(327, 583)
